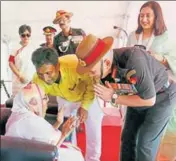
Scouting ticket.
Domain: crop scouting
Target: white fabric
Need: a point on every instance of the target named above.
(25, 124)
(31, 126)
(24, 64)
(70, 109)
(132, 40)
(148, 43)
(70, 154)
(93, 126)
(19, 104)
(22, 122)
(34, 127)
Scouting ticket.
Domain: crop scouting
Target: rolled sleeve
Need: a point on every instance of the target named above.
(145, 84)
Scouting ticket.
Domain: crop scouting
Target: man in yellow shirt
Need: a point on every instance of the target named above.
(58, 77)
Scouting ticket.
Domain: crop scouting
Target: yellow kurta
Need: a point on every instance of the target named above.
(72, 86)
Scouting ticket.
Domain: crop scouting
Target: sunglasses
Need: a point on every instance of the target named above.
(25, 35)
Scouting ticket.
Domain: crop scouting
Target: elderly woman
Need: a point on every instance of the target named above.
(27, 121)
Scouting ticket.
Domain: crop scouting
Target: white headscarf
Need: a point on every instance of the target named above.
(21, 106)
(22, 100)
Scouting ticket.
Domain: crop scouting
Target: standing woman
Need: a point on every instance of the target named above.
(152, 33)
(20, 60)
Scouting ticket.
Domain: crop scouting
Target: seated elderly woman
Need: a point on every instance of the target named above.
(27, 121)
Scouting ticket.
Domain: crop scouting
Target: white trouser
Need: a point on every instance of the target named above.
(67, 154)
(93, 126)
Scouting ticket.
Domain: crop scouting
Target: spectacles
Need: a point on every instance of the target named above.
(25, 35)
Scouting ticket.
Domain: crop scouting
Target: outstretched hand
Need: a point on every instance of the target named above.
(69, 125)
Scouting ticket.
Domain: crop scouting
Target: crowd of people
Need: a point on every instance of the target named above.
(78, 69)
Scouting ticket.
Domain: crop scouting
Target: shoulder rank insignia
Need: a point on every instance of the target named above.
(131, 76)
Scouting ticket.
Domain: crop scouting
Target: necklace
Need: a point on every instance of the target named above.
(149, 43)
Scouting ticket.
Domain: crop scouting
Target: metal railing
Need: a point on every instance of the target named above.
(2, 84)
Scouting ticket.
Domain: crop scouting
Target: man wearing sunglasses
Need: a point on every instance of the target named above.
(68, 39)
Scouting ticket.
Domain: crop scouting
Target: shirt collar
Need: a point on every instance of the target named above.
(70, 32)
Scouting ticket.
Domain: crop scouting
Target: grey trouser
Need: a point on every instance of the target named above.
(144, 127)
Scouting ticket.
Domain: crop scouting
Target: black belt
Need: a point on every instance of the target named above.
(166, 86)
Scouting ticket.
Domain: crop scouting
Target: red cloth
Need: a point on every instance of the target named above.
(111, 134)
(12, 59)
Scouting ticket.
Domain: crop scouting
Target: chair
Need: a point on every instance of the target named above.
(14, 148)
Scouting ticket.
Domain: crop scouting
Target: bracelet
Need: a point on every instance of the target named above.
(113, 99)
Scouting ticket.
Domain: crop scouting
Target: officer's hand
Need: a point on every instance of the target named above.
(82, 114)
(105, 93)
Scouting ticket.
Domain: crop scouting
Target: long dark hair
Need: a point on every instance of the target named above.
(159, 24)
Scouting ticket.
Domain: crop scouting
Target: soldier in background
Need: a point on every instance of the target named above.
(49, 33)
(68, 39)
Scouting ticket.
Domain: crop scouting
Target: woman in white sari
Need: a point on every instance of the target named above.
(27, 121)
(20, 60)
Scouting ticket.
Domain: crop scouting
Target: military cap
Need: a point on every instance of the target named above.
(49, 30)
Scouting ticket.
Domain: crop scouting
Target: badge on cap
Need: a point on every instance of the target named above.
(49, 30)
(82, 63)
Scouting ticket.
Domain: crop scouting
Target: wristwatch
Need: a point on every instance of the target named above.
(113, 98)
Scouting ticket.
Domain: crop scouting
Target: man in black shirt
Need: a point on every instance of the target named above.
(68, 39)
(148, 109)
